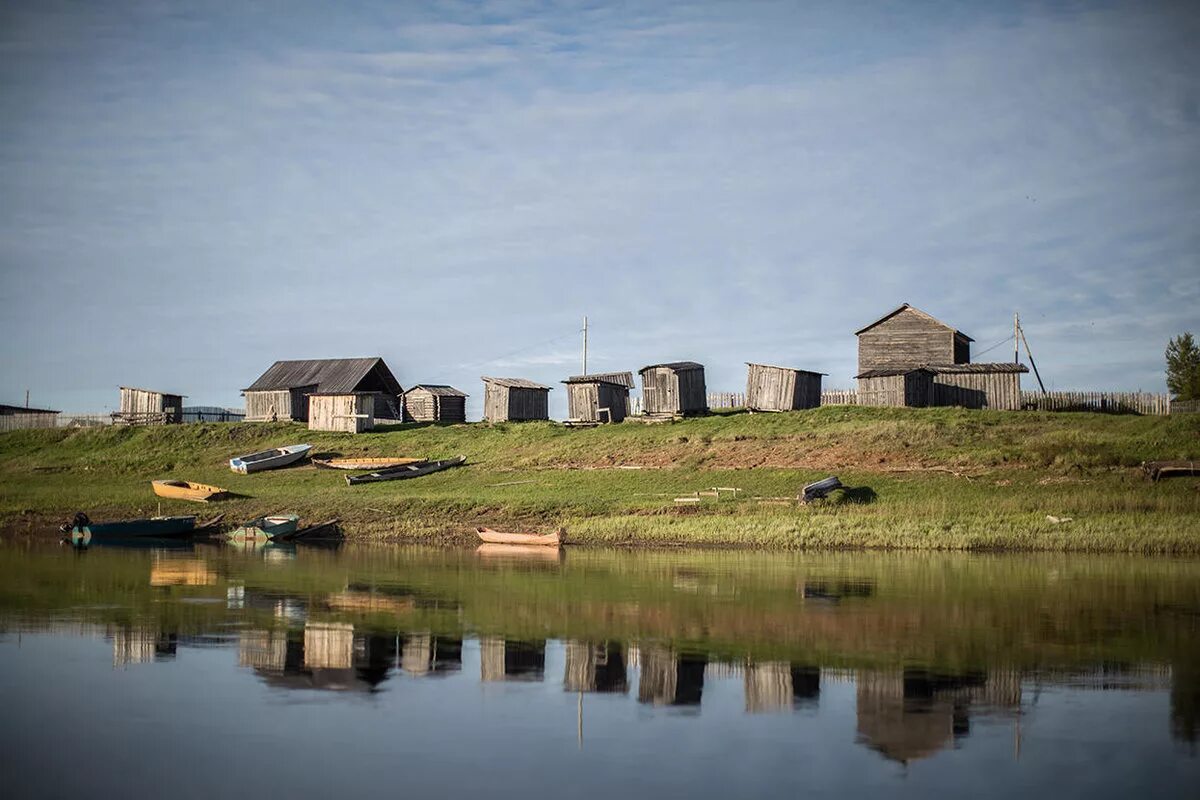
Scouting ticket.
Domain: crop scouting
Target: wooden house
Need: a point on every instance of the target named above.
(148, 407)
(432, 402)
(282, 392)
(602, 397)
(771, 388)
(675, 388)
(14, 418)
(514, 400)
(896, 387)
(348, 412)
(995, 386)
(908, 337)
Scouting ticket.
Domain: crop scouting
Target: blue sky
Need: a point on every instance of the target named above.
(189, 191)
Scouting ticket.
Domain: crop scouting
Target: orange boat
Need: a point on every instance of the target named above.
(500, 537)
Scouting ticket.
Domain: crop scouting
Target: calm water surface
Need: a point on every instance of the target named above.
(211, 672)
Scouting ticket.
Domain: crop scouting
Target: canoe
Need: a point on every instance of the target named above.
(372, 464)
(82, 531)
(327, 530)
(187, 490)
(265, 528)
(407, 471)
(269, 459)
(500, 537)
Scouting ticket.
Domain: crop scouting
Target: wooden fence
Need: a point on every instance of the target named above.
(13, 422)
(1103, 402)
(839, 397)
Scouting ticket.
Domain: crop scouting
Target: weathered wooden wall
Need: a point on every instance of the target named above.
(771, 388)
(585, 401)
(909, 339)
(995, 390)
(514, 404)
(146, 407)
(670, 391)
(912, 389)
(32, 419)
(421, 405)
(349, 413)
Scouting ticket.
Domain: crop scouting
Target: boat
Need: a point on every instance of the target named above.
(269, 459)
(1157, 470)
(327, 530)
(265, 528)
(188, 490)
(363, 463)
(519, 552)
(406, 471)
(82, 531)
(501, 537)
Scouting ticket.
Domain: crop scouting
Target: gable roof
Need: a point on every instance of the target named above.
(329, 375)
(891, 371)
(6, 410)
(677, 366)
(439, 389)
(915, 310)
(619, 378)
(515, 383)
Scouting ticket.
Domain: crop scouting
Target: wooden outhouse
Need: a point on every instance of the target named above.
(995, 386)
(896, 387)
(908, 337)
(148, 407)
(14, 418)
(674, 388)
(432, 402)
(602, 397)
(514, 400)
(771, 388)
(283, 391)
(351, 412)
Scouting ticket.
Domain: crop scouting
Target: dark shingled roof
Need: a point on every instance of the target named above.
(677, 366)
(514, 383)
(619, 378)
(329, 375)
(439, 389)
(904, 306)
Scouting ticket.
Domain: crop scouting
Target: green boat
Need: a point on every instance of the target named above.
(82, 531)
(264, 529)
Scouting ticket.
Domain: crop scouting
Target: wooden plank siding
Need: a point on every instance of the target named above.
(348, 413)
(909, 338)
(514, 400)
(770, 388)
(597, 401)
(280, 404)
(913, 389)
(674, 389)
(425, 405)
(995, 390)
(147, 406)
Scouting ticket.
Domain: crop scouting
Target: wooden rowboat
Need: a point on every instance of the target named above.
(372, 464)
(265, 528)
(500, 537)
(322, 531)
(406, 471)
(188, 490)
(1156, 470)
(82, 531)
(269, 459)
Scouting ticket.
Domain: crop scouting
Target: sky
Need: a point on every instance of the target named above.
(190, 191)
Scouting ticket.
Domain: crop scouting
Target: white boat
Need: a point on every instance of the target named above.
(269, 459)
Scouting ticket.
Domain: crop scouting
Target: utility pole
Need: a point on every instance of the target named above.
(27, 398)
(585, 372)
(1016, 344)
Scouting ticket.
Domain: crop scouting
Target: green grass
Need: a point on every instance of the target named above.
(926, 478)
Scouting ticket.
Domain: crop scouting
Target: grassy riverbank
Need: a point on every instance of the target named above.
(924, 478)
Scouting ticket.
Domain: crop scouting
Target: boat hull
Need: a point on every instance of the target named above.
(264, 529)
(269, 459)
(528, 539)
(187, 490)
(373, 464)
(125, 530)
(410, 471)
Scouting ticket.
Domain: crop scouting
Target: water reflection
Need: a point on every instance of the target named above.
(923, 647)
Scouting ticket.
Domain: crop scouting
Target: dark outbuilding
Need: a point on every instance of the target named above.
(600, 397)
(514, 400)
(434, 402)
(281, 393)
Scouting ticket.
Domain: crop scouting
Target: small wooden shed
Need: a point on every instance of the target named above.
(349, 412)
(674, 388)
(19, 417)
(514, 400)
(908, 337)
(772, 388)
(601, 397)
(282, 392)
(148, 407)
(995, 386)
(433, 402)
(896, 387)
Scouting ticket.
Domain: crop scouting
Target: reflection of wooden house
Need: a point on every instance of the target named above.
(133, 646)
(423, 654)
(778, 685)
(148, 407)
(366, 602)
(595, 668)
(181, 572)
(328, 645)
(913, 714)
(262, 649)
(508, 660)
(669, 678)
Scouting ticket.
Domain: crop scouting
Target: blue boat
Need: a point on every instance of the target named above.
(82, 531)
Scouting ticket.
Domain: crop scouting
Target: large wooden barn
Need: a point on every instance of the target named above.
(674, 388)
(514, 400)
(148, 407)
(281, 393)
(601, 397)
(433, 402)
(908, 358)
(771, 388)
